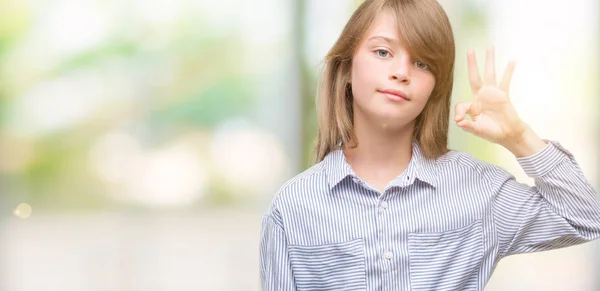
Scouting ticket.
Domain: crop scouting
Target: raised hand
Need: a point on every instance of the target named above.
(493, 117)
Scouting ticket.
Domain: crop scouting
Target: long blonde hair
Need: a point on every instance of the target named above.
(428, 36)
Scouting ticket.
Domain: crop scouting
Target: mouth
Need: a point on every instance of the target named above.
(394, 95)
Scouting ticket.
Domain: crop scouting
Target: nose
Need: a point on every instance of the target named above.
(401, 69)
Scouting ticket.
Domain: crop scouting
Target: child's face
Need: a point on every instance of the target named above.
(382, 69)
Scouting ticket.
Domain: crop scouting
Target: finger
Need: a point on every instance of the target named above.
(474, 109)
(490, 67)
(507, 76)
(469, 126)
(460, 111)
(474, 78)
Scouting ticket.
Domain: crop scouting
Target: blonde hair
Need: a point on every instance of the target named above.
(428, 37)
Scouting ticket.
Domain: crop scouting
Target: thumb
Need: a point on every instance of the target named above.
(461, 110)
(464, 108)
(469, 126)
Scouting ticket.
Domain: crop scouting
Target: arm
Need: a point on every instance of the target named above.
(275, 268)
(561, 210)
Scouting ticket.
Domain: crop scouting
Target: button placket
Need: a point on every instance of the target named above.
(384, 204)
(388, 255)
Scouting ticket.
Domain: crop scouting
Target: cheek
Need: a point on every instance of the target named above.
(363, 76)
(426, 87)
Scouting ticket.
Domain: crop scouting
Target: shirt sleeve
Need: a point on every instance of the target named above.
(275, 268)
(561, 210)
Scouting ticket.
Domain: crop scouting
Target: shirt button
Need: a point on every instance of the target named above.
(388, 255)
(384, 204)
(356, 180)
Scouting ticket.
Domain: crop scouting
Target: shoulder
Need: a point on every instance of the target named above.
(465, 164)
(309, 182)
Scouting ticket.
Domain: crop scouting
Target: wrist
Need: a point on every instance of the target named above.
(525, 144)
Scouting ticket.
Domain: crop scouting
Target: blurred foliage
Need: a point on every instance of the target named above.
(204, 87)
(226, 98)
(14, 20)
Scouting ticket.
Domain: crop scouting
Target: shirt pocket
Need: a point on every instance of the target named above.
(336, 266)
(448, 260)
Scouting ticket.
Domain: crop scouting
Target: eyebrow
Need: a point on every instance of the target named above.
(385, 38)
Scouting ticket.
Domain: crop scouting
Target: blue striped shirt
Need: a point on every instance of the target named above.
(442, 224)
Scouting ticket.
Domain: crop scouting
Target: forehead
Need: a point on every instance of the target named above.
(384, 24)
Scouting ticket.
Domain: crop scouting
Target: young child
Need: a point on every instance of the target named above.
(388, 206)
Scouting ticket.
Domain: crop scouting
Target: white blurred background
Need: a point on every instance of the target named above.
(141, 141)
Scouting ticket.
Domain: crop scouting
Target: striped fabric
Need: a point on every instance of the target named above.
(440, 225)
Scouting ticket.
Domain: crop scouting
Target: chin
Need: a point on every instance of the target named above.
(391, 122)
(393, 116)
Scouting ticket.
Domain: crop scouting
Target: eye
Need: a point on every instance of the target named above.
(421, 65)
(382, 53)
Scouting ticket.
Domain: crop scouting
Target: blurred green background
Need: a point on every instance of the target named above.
(141, 141)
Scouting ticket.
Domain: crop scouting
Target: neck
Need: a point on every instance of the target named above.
(382, 150)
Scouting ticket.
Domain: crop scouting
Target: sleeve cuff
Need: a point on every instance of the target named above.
(544, 161)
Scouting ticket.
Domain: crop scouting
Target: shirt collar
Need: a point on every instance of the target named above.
(419, 167)
(337, 168)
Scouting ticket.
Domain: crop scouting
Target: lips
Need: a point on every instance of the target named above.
(394, 95)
